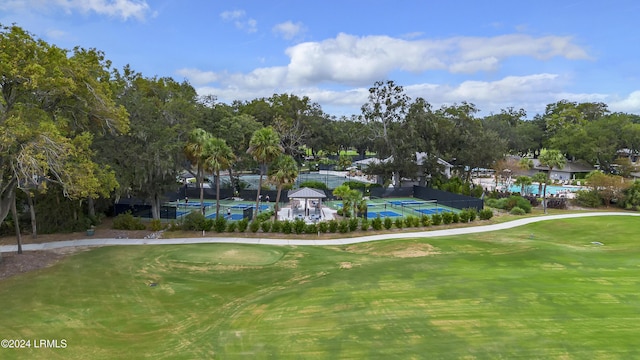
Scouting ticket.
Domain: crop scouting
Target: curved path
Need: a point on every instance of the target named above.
(273, 241)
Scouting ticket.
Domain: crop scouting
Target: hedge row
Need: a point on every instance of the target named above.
(196, 221)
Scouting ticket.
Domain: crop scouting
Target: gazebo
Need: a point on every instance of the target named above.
(305, 199)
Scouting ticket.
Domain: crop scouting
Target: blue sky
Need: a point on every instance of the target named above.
(495, 54)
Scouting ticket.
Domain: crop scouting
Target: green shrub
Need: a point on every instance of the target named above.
(473, 213)
(193, 221)
(411, 221)
(399, 223)
(588, 198)
(464, 216)
(208, 224)
(265, 226)
(447, 218)
(219, 224)
(127, 221)
(491, 202)
(242, 225)
(364, 224)
(631, 197)
(376, 223)
(519, 201)
(254, 226)
(502, 203)
(298, 226)
(232, 226)
(287, 227)
(485, 214)
(311, 229)
(323, 226)
(388, 223)
(517, 211)
(173, 226)
(264, 216)
(333, 226)
(353, 224)
(436, 219)
(276, 226)
(455, 218)
(156, 225)
(425, 220)
(343, 226)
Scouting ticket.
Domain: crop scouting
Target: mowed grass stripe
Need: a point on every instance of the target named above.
(539, 291)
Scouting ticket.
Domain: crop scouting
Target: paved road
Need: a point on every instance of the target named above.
(273, 241)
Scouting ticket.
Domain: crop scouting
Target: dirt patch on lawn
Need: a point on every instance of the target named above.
(416, 250)
(399, 250)
(13, 263)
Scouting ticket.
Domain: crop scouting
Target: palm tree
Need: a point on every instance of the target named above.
(283, 171)
(344, 161)
(264, 147)
(195, 152)
(541, 179)
(553, 159)
(343, 192)
(218, 156)
(525, 164)
(355, 197)
(523, 181)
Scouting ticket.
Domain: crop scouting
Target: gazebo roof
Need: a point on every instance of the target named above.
(306, 193)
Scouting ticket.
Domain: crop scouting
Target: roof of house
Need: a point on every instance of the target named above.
(367, 161)
(306, 193)
(420, 156)
(569, 167)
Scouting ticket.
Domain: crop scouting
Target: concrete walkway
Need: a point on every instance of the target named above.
(274, 241)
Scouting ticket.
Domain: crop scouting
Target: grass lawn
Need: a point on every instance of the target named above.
(541, 291)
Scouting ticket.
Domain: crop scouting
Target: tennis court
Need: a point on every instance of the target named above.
(399, 207)
(381, 214)
(231, 210)
(246, 206)
(232, 217)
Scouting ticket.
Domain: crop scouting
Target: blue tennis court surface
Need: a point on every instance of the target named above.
(247, 206)
(369, 205)
(382, 214)
(196, 204)
(431, 211)
(406, 202)
(232, 217)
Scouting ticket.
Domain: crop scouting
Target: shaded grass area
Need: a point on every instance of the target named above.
(538, 291)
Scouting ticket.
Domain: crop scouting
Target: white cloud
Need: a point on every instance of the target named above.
(531, 92)
(630, 104)
(124, 9)
(486, 64)
(197, 77)
(356, 60)
(56, 34)
(508, 88)
(316, 69)
(288, 29)
(238, 17)
(232, 15)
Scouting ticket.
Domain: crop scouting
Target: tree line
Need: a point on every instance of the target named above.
(80, 134)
